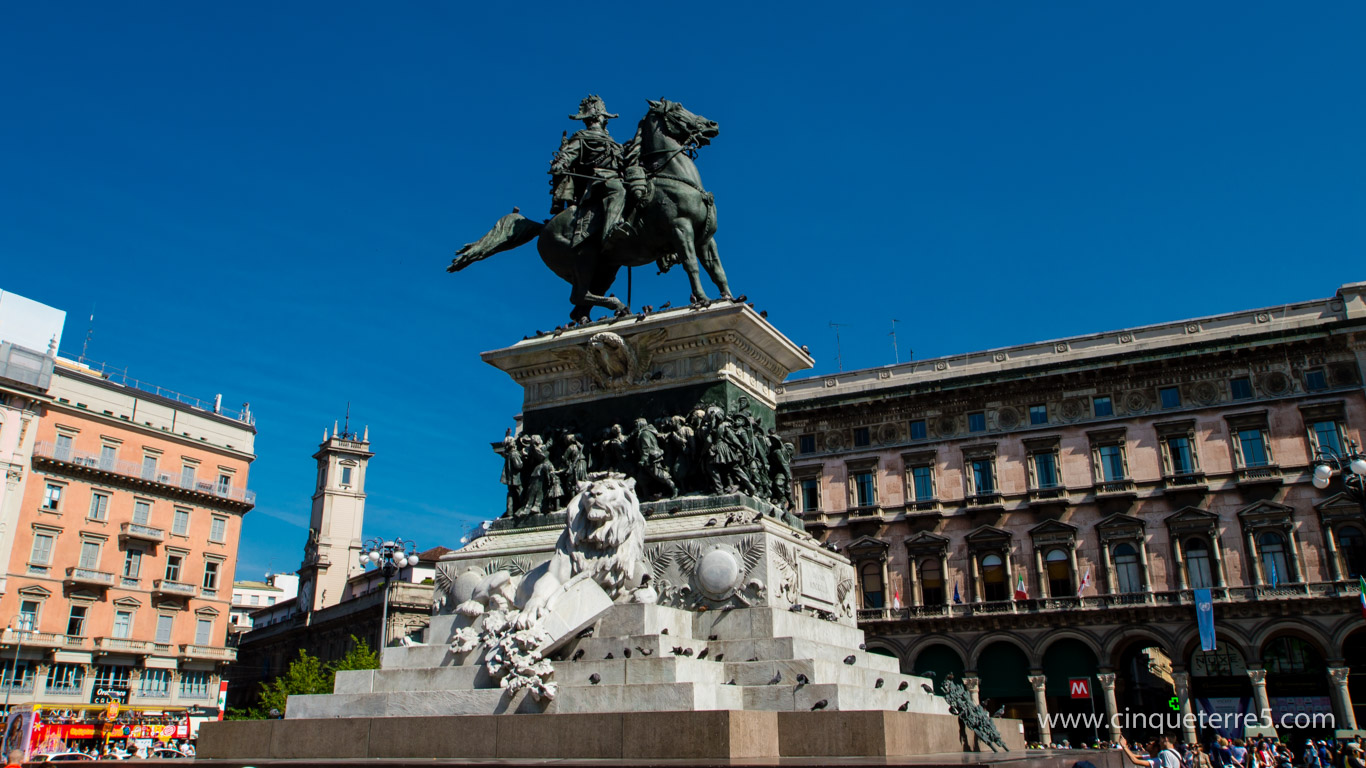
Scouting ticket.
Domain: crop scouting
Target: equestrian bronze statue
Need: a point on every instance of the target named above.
(620, 206)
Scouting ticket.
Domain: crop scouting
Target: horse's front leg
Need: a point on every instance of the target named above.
(685, 244)
(711, 261)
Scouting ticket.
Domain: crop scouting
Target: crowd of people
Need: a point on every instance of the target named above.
(1257, 752)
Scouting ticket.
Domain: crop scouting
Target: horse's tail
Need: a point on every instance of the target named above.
(511, 231)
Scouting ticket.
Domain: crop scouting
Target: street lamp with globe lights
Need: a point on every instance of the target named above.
(1351, 465)
(389, 558)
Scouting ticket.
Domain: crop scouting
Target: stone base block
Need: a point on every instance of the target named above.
(882, 734)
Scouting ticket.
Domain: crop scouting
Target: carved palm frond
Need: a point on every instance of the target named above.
(843, 588)
(660, 558)
(443, 578)
(687, 556)
(520, 566)
(751, 553)
(492, 566)
(787, 558)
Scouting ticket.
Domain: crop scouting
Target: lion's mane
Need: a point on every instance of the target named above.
(613, 551)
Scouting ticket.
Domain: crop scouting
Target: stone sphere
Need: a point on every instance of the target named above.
(463, 588)
(718, 572)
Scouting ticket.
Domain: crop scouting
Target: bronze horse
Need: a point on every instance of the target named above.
(675, 225)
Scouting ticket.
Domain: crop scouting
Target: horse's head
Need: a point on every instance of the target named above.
(681, 125)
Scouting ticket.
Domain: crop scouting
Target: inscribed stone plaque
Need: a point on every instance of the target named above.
(818, 581)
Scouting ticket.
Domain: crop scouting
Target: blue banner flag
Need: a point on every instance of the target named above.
(1204, 617)
(1275, 577)
(956, 599)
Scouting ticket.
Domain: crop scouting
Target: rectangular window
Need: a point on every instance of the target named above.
(1111, 463)
(1252, 445)
(75, 622)
(42, 549)
(983, 476)
(194, 685)
(346, 475)
(28, 615)
(1327, 437)
(155, 683)
(203, 631)
(811, 495)
(1038, 414)
(806, 443)
(99, 506)
(52, 497)
(90, 555)
(109, 456)
(865, 490)
(1179, 453)
(65, 678)
(1045, 470)
(918, 431)
(1315, 381)
(187, 476)
(1170, 397)
(861, 437)
(172, 568)
(1102, 407)
(922, 482)
(1240, 388)
(63, 448)
(977, 422)
(180, 523)
(111, 677)
(19, 678)
(165, 623)
(270, 600)
(142, 512)
(218, 531)
(255, 599)
(149, 467)
(132, 564)
(224, 484)
(123, 624)
(211, 575)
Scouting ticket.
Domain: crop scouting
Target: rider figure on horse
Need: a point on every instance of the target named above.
(590, 161)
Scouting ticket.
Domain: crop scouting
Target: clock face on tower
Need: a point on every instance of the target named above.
(306, 596)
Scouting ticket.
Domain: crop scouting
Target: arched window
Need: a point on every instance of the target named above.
(1291, 655)
(870, 575)
(1198, 572)
(1275, 569)
(1059, 573)
(931, 583)
(1352, 545)
(1128, 576)
(993, 578)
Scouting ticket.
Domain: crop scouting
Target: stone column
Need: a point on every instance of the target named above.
(1039, 572)
(1182, 681)
(1259, 697)
(976, 572)
(1179, 563)
(1342, 698)
(913, 591)
(1107, 688)
(1292, 540)
(1330, 553)
(1108, 567)
(971, 683)
(1147, 567)
(948, 588)
(1254, 563)
(1040, 684)
(1217, 552)
(1076, 570)
(886, 586)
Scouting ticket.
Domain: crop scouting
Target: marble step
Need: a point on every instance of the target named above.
(598, 647)
(791, 648)
(794, 698)
(760, 623)
(760, 672)
(638, 671)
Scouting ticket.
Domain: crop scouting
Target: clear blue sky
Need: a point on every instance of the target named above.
(260, 199)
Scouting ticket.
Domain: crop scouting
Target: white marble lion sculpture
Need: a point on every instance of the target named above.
(603, 540)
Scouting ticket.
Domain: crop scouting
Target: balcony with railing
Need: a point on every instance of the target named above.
(208, 652)
(12, 637)
(173, 588)
(89, 577)
(1185, 482)
(144, 473)
(141, 533)
(1119, 487)
(1266, 474)
(125, 645)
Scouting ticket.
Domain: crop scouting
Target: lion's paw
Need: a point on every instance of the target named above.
(470, 608)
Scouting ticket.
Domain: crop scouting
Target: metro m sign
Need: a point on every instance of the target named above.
(1080, 687)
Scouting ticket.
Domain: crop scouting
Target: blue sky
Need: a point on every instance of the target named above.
(260, 199)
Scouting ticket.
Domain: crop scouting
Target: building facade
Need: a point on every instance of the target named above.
(121, 554)
(251, 596)
(1027, 516)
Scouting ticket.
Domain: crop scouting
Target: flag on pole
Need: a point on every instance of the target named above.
(959, 601)
(896, 599)
(1204, 619)
(1085, 582)
(1362, 579)
(1275, 577)
(1020, 593)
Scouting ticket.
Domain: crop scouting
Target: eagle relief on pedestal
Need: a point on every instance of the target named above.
(613, 362)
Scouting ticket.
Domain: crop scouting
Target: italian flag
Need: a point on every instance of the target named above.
(1020, 593)
(1362, 581)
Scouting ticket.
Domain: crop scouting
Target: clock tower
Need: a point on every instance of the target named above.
(332, 553)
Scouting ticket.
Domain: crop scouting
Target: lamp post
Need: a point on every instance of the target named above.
(23, 626)
(1351, 465)
(387, 557)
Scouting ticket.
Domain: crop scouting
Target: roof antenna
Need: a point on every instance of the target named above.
(346, 426)
(89, 334)
(896, 355)
(839, 357)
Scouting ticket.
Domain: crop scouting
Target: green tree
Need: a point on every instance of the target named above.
(306, 675)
